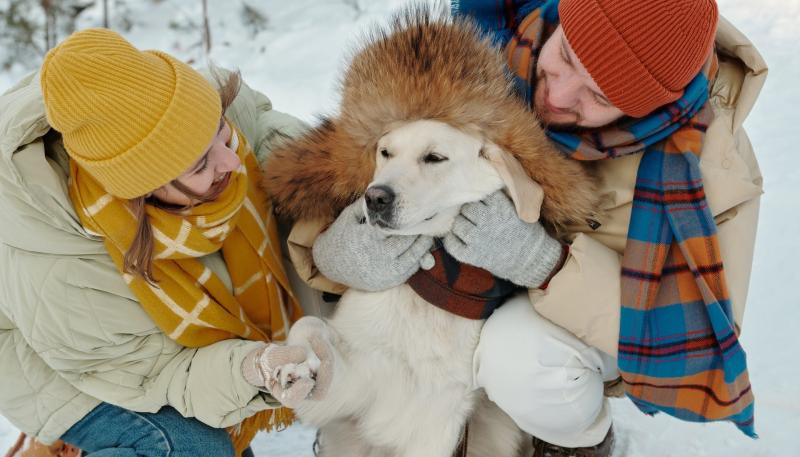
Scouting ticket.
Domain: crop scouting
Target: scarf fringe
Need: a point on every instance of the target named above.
(271, 420)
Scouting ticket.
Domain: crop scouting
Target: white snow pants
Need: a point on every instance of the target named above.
(544, 377)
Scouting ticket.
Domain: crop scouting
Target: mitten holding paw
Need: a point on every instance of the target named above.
(297, 371)
(283, 371)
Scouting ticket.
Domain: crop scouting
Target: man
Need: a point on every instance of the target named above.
(656, 287)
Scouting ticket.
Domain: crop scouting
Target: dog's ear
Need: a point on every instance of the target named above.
(317, 175)
(570, 187)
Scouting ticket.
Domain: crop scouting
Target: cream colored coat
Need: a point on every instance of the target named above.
(72, 334)
(584, 297)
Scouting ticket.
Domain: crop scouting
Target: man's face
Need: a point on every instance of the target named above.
(566, 96)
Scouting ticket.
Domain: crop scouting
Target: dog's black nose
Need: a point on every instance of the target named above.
(379, 198)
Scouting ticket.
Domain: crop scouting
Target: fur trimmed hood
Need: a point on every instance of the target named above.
(424, 65)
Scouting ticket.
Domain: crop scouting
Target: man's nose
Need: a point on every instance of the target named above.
(563, 91)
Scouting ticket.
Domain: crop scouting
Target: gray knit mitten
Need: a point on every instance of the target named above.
(358, 255)
(489, 234)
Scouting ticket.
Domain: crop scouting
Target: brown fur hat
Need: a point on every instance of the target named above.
(425, 65)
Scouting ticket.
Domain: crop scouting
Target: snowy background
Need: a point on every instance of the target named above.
(295, 54)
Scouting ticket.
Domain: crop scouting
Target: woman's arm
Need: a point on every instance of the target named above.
(103, 343)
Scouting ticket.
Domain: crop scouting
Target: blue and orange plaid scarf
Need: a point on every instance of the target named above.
(678, 346)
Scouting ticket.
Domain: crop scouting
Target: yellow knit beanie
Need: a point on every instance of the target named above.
(135, 120)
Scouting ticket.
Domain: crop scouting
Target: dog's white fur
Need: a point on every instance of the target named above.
(429, 195)
(403, 378)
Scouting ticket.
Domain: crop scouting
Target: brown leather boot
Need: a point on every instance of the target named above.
(545, 449)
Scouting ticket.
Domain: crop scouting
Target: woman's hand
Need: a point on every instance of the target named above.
(280, 370)
(297, 371)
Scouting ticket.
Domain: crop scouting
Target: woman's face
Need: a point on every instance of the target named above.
(209, 175)
(566, 96)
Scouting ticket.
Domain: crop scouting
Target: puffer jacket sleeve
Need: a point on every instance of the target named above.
(105, 345)
(737, 239)
(584, 296)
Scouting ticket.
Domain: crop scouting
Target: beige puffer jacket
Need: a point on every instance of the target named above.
(72, 334)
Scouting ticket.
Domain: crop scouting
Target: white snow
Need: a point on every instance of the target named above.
(296, 62)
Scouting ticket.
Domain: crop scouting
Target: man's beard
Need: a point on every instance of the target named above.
(541, 113)
(564, 127)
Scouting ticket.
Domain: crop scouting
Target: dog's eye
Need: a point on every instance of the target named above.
(433, 157)
(385, 153)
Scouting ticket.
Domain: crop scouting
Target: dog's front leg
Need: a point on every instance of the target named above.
(343, 438)
(441, 444)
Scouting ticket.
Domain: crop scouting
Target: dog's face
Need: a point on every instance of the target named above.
(425, 170)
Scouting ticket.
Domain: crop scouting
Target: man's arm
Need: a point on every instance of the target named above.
(584, 297)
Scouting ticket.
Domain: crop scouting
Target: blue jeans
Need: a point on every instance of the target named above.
(110, 431)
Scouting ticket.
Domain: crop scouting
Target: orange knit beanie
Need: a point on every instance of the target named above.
(641, 53)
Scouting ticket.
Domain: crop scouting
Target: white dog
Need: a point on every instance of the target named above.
(402, 382)
(424, 103)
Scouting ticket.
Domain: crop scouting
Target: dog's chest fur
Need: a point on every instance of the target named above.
(398, 325)
(415, 360)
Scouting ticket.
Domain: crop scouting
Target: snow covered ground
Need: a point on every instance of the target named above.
(296, 61)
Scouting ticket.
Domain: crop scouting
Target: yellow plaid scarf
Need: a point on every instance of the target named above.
(189, 303)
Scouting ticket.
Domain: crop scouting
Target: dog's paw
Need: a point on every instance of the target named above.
(293, 391)
(286, 375)
(291, 383)
(316, 372)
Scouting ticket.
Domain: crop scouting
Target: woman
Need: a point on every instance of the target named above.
(141, 270)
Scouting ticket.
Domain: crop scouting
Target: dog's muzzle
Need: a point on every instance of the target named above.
(380, 204)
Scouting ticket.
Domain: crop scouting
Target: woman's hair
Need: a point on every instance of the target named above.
(138, 259)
